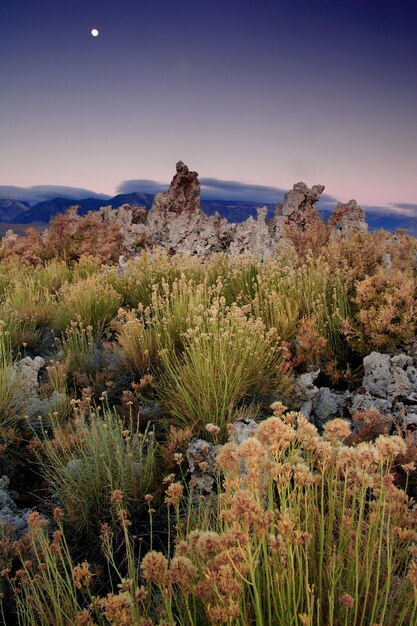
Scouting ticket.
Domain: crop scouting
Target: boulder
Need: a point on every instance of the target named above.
(305, 391)
(386, 376)
(328, 404)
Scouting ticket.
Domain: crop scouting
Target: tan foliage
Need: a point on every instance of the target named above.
(387, 310)
(68, 237)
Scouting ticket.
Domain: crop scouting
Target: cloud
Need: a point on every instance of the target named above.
(141, 185)
(394, 208)
(40, 193)
(216, 189)
(406, 208)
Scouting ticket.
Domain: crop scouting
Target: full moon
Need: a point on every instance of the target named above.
(94, 32)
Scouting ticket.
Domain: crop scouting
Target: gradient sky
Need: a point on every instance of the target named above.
(264, 92)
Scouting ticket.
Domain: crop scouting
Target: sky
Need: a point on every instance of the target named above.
(254, 95)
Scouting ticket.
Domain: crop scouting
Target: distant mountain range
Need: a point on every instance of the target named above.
(16, 212)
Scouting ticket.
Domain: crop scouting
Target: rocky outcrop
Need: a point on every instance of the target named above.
(176, 221)
(24, 385)
(304, 392)
(131, 221)
(254, 236)
(24, 377)
(390, 377)
(9, 236)
(389, 385)
(297, 210)
(348, 218)
(177, 224)
(182, 197)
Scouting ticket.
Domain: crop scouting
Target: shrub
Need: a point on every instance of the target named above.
(87, 460)
(90, 301)
(309, 531)
(78, 350)
(27, 310)
(386, 314)
(52, 275)
(227, 356)
(45, 585)
(12, 408)
(138, 342)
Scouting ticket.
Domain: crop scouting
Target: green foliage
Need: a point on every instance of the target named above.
(227, 356)
(91, 301)
(88, 459)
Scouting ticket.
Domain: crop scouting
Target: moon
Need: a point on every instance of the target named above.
(94, 32)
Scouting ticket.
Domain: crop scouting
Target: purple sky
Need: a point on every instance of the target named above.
(264, 92)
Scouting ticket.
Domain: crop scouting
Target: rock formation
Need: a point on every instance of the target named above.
(348, 218)
(298, 208)
(176, 223)
(131, 221)
(389, 385)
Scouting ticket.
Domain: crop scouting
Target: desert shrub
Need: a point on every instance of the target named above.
(142, 274)
(173, 305)
(91, 301)
(12, 408)
(11, 271)
(227, 355)
(45, 586)
(69, 237)
(27, 310)
(386, 311)
(88, 459)
(357, 256)
(141, 333)
(138, 343)
(402, 249)
(78, 351)
(309, 531)
(87, 265)
(307, 305)
(28, 249)
(236, 275)
(310, 236)
(52, 275)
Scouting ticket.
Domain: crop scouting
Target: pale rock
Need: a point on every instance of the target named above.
(411, 417)
(131, 220)
(348, 218)
(363, 401)
(387, 261)
(201, 457)
(328, 404)
(377, 374)
(254, 236)
(9, 236)
(241, 430)
(26, 371)
(305, 391)
(298, 209)
(386, 377)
